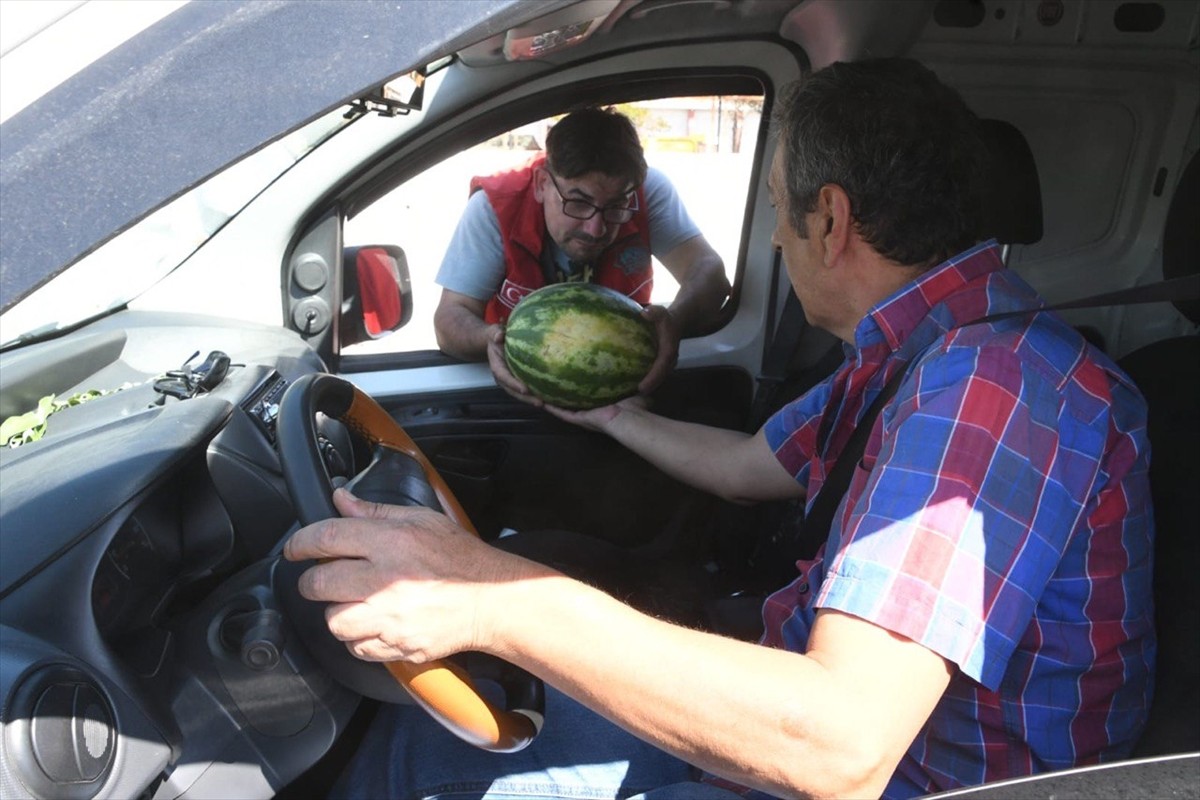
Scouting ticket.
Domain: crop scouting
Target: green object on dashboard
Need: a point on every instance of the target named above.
(31, 426)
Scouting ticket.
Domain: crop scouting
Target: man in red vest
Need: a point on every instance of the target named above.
(589, 209)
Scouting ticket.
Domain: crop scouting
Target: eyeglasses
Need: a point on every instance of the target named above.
(581, 209)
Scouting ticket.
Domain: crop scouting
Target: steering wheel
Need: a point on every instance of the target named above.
(399, 474)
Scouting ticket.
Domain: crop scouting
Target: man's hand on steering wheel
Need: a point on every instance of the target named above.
(402, 583)
(379, 564)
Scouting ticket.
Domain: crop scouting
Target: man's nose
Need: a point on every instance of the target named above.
(595, 225)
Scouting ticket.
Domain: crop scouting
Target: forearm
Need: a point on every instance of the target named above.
(703, 289)
(406, 583)
(752, 714)
(729, 464)
(461, 333)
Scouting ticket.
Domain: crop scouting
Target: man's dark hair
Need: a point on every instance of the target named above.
(596, 140)
(902, 145)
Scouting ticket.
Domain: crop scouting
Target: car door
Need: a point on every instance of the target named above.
(515, 467)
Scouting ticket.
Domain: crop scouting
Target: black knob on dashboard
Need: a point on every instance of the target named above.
(257, 637)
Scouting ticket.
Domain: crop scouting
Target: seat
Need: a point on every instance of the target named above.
(1168, 374)
(1012, 197)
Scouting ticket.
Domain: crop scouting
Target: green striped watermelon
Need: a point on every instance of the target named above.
(578, 345)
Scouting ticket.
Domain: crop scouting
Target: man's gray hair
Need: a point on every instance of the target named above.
(902, 145)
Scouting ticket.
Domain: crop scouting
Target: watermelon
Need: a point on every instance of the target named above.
(578, 345)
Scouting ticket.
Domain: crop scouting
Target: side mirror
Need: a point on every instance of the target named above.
(376, 292)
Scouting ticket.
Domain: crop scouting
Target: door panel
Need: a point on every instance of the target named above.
(514, 466)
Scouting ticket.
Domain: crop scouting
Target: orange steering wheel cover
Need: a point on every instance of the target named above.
(445, 691)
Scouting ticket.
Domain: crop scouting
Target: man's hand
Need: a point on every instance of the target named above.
(504, 377)
(667, 332)
(402, 583)
(597, 419)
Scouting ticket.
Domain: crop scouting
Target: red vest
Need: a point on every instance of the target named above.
(624, 265)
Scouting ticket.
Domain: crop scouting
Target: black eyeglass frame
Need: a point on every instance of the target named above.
(622, 213)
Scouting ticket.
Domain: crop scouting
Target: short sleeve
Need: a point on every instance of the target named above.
(958, 527)
(474, 260)
(670, 224)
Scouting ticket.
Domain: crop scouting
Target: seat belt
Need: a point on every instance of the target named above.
(819, 519)
(784, 339)
(1185, 287)
(775, 361)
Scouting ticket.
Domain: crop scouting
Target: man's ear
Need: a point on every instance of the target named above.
(539, 184)
(835, 225)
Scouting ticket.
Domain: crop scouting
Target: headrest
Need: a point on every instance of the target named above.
(1012, 196)
(1181, 234)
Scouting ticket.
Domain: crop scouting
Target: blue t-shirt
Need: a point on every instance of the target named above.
(474, 261)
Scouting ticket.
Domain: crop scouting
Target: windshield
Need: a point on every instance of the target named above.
(130, 263)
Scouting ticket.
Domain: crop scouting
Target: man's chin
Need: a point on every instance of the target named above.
(584, 253)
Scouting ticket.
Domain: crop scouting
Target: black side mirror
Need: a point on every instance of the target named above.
(376, 292)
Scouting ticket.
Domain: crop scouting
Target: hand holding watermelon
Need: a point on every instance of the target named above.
(580, 346)
(504, 377)
(667, 331)
(599, 419)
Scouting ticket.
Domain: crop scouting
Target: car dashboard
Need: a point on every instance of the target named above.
(144, 653)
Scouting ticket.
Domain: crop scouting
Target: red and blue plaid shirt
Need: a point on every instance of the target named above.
(1000, 517)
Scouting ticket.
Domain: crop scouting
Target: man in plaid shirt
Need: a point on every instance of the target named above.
(999, 517)
(981, 608)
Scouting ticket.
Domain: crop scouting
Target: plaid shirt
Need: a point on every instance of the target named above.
(1000, 517)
